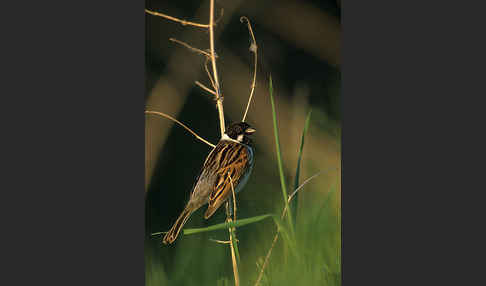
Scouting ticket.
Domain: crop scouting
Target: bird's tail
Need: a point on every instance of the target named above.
(171, 236)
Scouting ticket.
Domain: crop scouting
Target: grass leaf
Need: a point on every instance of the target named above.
(225, 225)
(285, 234)
(235, 244)
(279, 160)
(297, 171)
(325, 204)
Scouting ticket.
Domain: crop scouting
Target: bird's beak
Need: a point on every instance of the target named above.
(250, 130)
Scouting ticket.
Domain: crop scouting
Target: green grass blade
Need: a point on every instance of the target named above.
(325, 203)
(297, 172)
(225, 225)
(279, 160)
(285, 235)
(235, 246)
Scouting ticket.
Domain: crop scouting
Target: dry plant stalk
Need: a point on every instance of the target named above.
(232, 233)
(234, 198)
(233, 259)
(221, 241)
(209, 73)
(212, 56)
(183, 22)
(196, 50)
(181, 124)
(253, 49)
(205, 88)
(218, 97)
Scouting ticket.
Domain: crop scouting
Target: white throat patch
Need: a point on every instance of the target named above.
(226, 137)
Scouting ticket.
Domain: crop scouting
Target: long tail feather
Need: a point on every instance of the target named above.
(171, 236)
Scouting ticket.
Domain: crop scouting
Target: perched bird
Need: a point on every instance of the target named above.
(232, 156)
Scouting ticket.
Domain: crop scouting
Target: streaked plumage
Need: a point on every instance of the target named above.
(232, 156)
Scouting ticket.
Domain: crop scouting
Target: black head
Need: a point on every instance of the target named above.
(240, 131)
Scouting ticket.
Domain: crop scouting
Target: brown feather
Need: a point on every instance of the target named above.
(234, 164)
(176, 228)
(213, 185)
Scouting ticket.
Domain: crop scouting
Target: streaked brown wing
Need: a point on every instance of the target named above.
(232, 160)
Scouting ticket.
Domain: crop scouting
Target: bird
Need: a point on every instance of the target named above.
(230, 161)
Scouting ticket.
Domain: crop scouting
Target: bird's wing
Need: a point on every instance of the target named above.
(233, 160)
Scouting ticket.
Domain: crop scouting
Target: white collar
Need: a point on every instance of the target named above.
(226, 137)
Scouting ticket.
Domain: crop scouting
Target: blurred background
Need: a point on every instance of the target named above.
(299, 46)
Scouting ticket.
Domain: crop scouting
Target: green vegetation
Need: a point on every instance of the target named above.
(315, 245)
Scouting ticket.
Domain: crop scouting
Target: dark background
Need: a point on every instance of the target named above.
(299, 46)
